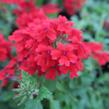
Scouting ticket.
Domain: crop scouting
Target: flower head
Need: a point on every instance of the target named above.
(50, 47)
(72, 6)
(5, 49)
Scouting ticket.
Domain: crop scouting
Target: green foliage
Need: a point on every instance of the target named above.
(32, 104)
(39, 2)
(31, 90)
(6, 20)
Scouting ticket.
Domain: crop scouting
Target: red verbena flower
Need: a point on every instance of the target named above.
(72, 6)
(51, 8)
(3, 83)
(13, 1)
(9, 70)
(5, 49)
(98, 53)
(48, 45)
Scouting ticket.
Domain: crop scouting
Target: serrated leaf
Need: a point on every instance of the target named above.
(44, 93)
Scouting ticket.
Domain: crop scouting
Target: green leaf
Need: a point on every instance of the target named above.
(44, 93)
(27, 89)
(60, 86)
(55, 104)
(39, 2)
(60, 2)
(6, 96)
(33, 104)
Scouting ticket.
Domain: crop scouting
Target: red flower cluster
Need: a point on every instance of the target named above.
(5, 49)
(51, 47)
(5, 53)
(51, 8)
(27, 11)
(25, 18)
(102, 57)
(72, 6)
(13, 1)
(8, 72)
